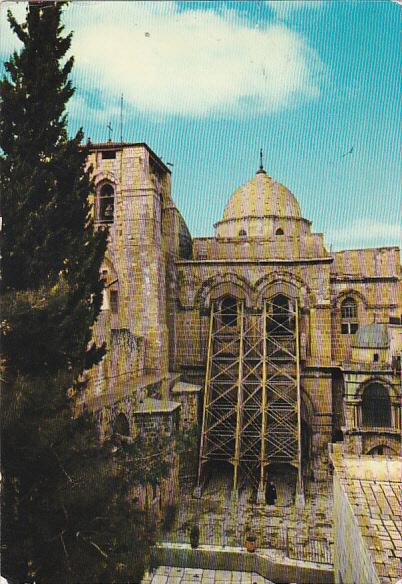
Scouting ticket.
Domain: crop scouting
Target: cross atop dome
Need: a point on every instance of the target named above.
(261, 170)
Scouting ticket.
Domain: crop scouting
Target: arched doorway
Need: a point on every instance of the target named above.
(121, 426)
(218, 477)
(284, 477)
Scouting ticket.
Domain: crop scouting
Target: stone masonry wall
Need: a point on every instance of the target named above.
(135, 267)
(372, 278)
(352, 560)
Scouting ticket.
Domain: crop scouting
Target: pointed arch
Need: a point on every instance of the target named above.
(100, 176)
(349, 293)
(224, 285)
(393, 392)
(281, 282)
(105, 197)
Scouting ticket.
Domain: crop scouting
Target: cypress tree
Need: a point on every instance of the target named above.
(64, 497)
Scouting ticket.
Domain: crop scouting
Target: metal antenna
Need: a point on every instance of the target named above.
(121, 118)
(109, 127)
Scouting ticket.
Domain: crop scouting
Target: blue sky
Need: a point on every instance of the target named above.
(206, 84)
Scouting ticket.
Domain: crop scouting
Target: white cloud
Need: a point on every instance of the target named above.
(366, 233)
(284, 8)
(195, 62)
(167, 60)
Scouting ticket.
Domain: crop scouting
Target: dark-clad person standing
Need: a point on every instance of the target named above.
(270, 493)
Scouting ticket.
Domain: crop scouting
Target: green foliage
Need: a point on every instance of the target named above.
(65, 499)
(66, 513)
(44, 183)
(143, 461)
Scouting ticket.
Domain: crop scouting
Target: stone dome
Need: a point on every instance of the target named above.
(261, 197)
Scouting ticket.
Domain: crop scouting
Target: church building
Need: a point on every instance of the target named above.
(270, 345)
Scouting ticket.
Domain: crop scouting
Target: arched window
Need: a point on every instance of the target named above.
(229, 311)
(376, 406)
(280, 320)
(121, 425)
(349, 309)
(242, 233)
(349, 316)
(279, 231)
(280, 305)
(106, 204)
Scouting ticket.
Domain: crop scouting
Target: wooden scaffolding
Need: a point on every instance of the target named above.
(251, 410)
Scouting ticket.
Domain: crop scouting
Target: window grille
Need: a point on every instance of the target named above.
(349, 316)
(349, 309)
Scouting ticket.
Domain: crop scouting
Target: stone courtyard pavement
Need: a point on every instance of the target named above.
(302, 534)
(169, 575)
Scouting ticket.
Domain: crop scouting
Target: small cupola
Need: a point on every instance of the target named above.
(370, 344)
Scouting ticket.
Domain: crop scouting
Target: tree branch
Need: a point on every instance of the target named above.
(93, 544)
(65, 551)
(61, 466)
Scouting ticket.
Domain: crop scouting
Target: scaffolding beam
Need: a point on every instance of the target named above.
(261, 487)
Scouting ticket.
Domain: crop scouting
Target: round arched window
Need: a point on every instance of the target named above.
(279, 231)
(242, 233)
